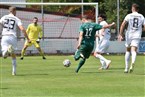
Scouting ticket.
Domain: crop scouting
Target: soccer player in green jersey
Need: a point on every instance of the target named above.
(34, 32)
(87, 36)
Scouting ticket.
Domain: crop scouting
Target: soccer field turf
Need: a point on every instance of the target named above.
(49, 78)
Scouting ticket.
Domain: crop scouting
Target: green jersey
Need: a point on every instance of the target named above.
(89, 31)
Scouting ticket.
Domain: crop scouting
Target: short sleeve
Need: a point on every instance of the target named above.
(127, 18)
(19, 23)
(1, 20)
(81, 29)
(98, 27)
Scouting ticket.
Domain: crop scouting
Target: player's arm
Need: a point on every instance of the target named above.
(41, 33)
(120, 36)
(108, 26)
(144, 25)
(80, 39)
(24, 32)
(144, 28)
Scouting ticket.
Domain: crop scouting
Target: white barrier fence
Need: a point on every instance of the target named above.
(60, 46)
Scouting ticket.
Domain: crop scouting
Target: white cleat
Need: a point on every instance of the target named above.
(108, 64)
(126, 70)
(131, 68)
(13, 73)
(5, 54)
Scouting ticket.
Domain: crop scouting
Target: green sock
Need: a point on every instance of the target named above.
(81, 63)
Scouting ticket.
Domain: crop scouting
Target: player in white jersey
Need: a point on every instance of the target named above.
(103, 43)
(133, 33)
(9, 38)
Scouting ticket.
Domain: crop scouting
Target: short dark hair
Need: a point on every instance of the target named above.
(35, 18)
(136, 6)
(102, 16)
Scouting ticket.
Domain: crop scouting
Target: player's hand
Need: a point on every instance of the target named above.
(120, 38)
(29, 41)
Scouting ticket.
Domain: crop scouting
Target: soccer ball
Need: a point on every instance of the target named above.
(66, 63)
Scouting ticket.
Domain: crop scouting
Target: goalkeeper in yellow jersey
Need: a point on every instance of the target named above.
(34, 32)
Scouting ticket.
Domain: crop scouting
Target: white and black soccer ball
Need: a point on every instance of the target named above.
(66, 63)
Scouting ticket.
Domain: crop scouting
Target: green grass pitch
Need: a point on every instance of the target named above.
(49, 78)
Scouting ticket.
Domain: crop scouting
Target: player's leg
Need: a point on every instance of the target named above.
(77, 55)
(101, 48)
(127, 54)
(4, 46)
(14, 64)
(12, 48)
(134, 45)
(85, 52)
(81, 63)
(26, 45)
(103, 65)
(127, 59)
(23, 51)
(39, 49)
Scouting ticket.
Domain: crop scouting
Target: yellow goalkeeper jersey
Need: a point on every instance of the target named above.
(34, 32)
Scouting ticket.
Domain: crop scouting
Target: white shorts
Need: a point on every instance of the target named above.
(132, 42)
(102, 46)
(8, 40)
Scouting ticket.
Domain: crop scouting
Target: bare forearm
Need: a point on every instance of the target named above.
(25, 34)
(109, 25)
(80, 40)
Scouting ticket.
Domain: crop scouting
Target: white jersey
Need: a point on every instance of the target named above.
(10, 23)
(106, 33)
(135, 23)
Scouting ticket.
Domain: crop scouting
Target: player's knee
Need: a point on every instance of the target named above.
(76, 58)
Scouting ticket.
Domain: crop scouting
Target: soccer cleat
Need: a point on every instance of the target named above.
(21, 58)
(131, 68)
(101, 68)
(43, 58)
(10, 49)
(108, 64)
(14, 73)
(126, 70)
(5, 54)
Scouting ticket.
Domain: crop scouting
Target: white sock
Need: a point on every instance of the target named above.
(127, 58)
(133, 56)
(103, 63)
(101, 57)
(14, 64)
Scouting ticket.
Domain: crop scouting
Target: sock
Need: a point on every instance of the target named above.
(77, 55)
(103, 64)
(14, 65)
(22, 52)
(133, 56)
(101, 57)
(81, 63)
(41, 53)
(127, 58)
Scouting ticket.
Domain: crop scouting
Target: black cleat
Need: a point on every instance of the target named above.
(21, 58)
(43, 58)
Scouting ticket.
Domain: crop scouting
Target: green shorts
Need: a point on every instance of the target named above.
(85, 50)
